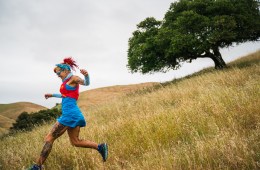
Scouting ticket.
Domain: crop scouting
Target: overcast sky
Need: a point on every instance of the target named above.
(37, 34)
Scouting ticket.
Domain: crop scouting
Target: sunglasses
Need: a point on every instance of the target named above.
(58, 73)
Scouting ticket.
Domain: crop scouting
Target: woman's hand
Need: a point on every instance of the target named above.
(47, 96)
(84, 72)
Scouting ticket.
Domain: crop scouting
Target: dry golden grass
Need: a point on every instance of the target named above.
(99, 96)
(209, 121)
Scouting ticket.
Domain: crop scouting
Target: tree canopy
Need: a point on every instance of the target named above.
(192, 29)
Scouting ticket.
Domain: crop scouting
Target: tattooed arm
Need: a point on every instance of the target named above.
(80, 81)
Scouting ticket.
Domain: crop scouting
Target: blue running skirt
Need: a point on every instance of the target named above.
(71, 114)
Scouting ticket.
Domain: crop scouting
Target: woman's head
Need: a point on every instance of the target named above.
(65, 67)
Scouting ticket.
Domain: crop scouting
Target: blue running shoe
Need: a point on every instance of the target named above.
(103, 150)
(35, 167)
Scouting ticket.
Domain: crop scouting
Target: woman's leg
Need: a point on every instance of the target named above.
(57, 130)
(75, 141)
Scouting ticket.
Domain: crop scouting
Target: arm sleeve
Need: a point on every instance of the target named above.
(86, 81)
(57, 95)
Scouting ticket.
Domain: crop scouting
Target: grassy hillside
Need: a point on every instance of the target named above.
(210, 120)
(9, 113)
(102, 95)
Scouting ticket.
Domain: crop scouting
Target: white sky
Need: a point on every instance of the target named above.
(37, 34)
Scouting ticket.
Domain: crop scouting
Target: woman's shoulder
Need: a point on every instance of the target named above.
(75, 79)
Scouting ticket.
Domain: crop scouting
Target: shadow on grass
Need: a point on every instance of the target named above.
(246, 64)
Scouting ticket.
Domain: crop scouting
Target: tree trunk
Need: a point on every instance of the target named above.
(218, 60)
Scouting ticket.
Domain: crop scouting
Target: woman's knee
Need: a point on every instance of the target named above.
(49, 138)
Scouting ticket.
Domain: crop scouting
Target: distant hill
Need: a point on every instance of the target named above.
(9, 113)
(106, 94)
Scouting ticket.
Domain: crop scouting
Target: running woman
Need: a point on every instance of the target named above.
(71, 119)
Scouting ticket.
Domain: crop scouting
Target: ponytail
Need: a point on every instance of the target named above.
(72, 63)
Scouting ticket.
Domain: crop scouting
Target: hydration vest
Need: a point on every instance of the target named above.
(69, 93)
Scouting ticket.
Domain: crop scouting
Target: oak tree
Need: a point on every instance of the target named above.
(192, 29)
